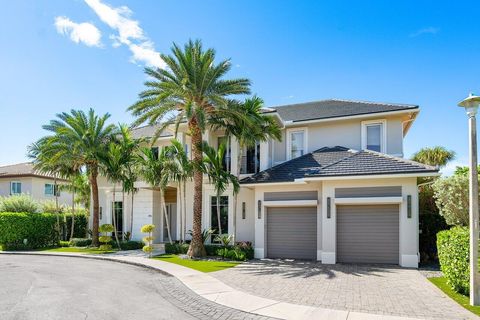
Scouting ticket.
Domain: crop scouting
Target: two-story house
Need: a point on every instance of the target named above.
(22, 178)
(334, 189)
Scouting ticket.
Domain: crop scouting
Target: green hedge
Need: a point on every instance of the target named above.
(128, 245)
(79, 229)
(453, 253)
(37, 228)
(240, 252)
(80, 242)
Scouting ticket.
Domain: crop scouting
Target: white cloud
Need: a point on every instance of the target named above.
(129, 33)
(84, 32)
(428, 30)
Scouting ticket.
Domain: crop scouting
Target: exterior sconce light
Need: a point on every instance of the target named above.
(259, 209)
(243, 210)
(329, 207)
(409, 206)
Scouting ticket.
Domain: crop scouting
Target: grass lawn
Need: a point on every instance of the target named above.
(200, 265)
(464, 301)
(86, 250)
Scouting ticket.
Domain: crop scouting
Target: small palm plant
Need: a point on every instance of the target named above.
(105, 238)
(148, 240)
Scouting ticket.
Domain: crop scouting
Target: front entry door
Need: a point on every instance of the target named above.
(117, 209)
(172, 214)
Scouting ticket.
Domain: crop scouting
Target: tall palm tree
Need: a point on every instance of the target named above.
(86, 137)
(192, 89)
(152, 169)
(257, 127)
(78, 187)
(218, 176)
(434, 156)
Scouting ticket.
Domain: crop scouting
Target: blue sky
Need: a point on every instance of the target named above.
(58, 55)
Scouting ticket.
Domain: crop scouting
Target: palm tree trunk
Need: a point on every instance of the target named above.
(196, 248)
(93, 183)
(73, 214)
(235, 196)
(114, 214)
(181, 210)
(56, 208)
(166, 215)
(131, 213)
(219, 215)
(123, 207)
(184, 209)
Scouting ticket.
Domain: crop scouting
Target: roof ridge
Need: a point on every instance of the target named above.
(348, 100)
(16, 164)
(400, 159)
(376, 102)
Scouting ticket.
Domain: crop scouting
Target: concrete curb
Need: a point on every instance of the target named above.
(216, 291)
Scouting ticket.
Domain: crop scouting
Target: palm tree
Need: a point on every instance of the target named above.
(221, 178)
(179, 169)
(80, 190)
(258, 128)
(434, 156)
(112, 167)
(86, 137)
(152, 169)
(54, 157)
(190, 89)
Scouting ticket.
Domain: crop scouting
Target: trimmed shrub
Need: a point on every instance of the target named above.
(105, 239)
(129, 245)
(19, 203)
(20, 231)
(148, 248)
(64, 244)
(176, 248)
(453, 253)
(80, 242)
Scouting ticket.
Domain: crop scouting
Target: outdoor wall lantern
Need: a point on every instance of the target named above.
(329, 207)
(259, 209)
(409, 206)
(243, 210)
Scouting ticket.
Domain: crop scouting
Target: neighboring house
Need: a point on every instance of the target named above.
(22, 178)
(335, 189)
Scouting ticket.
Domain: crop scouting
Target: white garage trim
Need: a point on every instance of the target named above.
(291, 203)
(369, 200)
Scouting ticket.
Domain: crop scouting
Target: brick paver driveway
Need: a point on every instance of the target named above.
(364, 288)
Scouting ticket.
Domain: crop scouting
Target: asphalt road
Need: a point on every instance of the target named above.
(46, 287)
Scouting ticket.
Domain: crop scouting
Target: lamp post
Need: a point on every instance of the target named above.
(471, 104)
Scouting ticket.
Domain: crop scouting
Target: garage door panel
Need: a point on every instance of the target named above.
(368, 234)
(292, 232)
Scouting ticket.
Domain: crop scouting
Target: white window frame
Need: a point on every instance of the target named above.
(289, 140)
(11, 187)
(383, 137)
(53, 188)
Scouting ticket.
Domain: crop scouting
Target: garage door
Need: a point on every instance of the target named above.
(292, 233)
(367, 233)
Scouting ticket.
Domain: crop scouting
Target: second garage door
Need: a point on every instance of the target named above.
(292, 233)
(368, 233)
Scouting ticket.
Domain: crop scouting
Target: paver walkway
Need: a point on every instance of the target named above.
(373, 289)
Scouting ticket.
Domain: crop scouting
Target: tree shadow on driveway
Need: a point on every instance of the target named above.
(307, 269)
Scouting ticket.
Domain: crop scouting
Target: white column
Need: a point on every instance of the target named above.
(259, 244)
(263, 155)
(234, 147)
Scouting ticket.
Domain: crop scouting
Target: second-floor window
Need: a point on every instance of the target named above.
(15, 187)
(373, 135)
(297, 143)
(251, 159)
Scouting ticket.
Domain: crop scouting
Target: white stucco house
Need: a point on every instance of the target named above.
(22, 178)
(335, 189)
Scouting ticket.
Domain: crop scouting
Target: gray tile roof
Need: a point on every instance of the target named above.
(148, 131)
(336, 162)
(21, 170)
(334, 108)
